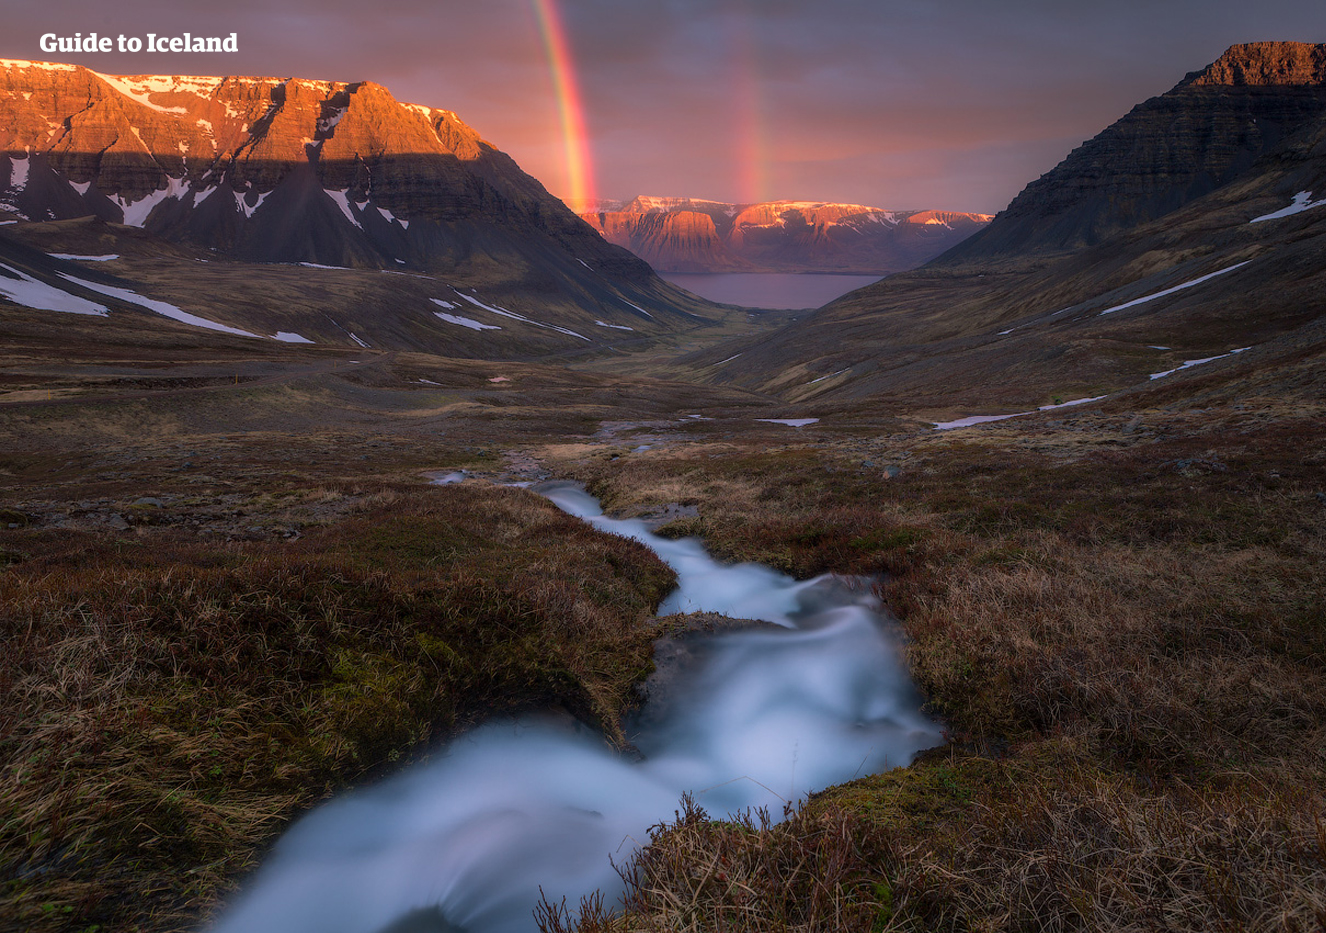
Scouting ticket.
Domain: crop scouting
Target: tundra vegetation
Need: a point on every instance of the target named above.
(1116, 611)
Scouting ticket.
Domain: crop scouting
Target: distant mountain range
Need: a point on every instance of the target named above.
(693, 235)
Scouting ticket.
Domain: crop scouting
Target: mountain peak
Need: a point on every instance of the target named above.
(1265, 64)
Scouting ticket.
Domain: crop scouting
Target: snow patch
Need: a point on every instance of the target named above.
(136, 212)
(18, 173)
(1302, 202)
(160, 307)
(638, 308)
(829, 376)
(450, 306)
(79, 258)
(342, 200)
(518, 317)
(728, 360)
(1076, 401)
(43, 66)
(973, 419)
(328, 123)
(286, 337)
(360, 342)
(140, 90)
(243, 207)
(318, 265)
(790, 422)
(1188, 364)
(32, 293)
(465, 321)
(1176, 288)
(614, 326)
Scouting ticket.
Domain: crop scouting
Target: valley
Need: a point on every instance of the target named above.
(232, 587)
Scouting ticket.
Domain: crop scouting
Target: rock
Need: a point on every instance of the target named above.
(149, 502)
(116, 522)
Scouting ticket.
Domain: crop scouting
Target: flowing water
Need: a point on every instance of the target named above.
(468, 839)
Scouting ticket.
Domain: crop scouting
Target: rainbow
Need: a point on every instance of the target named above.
(579, 167)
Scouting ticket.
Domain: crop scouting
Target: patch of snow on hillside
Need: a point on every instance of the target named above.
(360, 342)
(1176, 288)
(465, 321)
(76, 256)
(286, 336)
(18, 172)
(518, 317)
(159, 307)
(82, 187)
(136, 212)
(139, 92)
(342, 200)
(32, 293)
(1188, 364)
(985, 419)
(1076, 401)
(389, 217)
(974, 419)
(43, 66)
(243, 207)
(328, 123)
(728, 360)
(450, 306)
(638, 308)
(614, 326)
(790, 422)
(829, 376)
(1302, 202)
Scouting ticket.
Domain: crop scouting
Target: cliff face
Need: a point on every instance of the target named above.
(1204, 133)
(689, 235)
(276, 170)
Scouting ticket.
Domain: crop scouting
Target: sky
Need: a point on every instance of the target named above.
(897, 104)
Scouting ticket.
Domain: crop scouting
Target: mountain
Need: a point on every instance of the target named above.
(1208, 270)
(247, 170)
(1205, 132)
(692, 235)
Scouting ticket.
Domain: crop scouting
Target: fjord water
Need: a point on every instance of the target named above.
(770, 290)
(467, 840)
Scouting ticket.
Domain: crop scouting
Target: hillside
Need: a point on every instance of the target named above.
(1239, 268)
(188, 191)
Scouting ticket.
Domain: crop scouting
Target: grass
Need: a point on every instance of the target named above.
(169, 703)
(1126, 641)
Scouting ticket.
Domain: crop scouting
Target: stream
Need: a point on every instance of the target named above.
(466, 840)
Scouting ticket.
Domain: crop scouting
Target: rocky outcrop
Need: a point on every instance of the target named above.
(1204, 133)
(279, 170)
(692, 235)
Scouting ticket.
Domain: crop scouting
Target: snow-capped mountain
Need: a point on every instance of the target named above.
(694, 235)
(278, 169)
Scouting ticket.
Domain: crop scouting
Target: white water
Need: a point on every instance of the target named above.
(766, 715)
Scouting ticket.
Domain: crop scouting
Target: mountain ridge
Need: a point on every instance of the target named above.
(679, 234)
(1165, 152)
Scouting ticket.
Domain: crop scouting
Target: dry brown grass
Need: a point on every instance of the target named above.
(1125, 635)
(168, 702)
